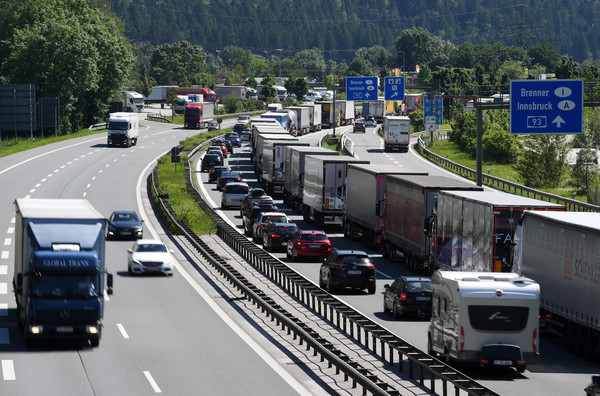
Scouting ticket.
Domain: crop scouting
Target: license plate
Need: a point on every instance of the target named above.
(126, 233)
(353, 272)
(314, 246)
(64, 329)
(423, 298)
(502, 362)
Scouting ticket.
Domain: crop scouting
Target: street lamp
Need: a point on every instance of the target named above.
(279, 50)
(403, 62)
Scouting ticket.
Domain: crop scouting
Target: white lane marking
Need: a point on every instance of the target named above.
(152, 382)
(7, 241)
(27, 196)
(5, 254)
(11, 230)
(122, 330)
(266, 357)
(32, 191)
(38, 185)
(63, 166)
(8, 370)
(56, 170)
(12, 221)
(88, 186)
(84, 194)
(3, 309)
(3, 269)
(3, 287)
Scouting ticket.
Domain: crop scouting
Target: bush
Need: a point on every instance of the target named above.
(500, 146)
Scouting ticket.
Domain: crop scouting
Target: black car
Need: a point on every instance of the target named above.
(276, 235)
(408, 295)
(216, 171)
(359, 126)
(252, 198)
(229, 145)
(209, 161)
(124, 224)
(228, 177)
(251, 214)
(347, 268)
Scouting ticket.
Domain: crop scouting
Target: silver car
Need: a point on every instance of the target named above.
(233, 194)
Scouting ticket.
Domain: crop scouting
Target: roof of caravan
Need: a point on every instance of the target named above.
(500, 198)
(589, 220)
(388, 169)
(57, 209)
(489, 284)
(314, 149)
(440, 182)
(277, 136)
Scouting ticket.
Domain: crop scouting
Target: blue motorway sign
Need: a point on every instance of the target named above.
(546, 106)
(362, 88)
(434, 108)
(394, 88)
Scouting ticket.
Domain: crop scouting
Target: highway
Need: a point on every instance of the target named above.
(176, 335)
(559, 372)
(161, 334)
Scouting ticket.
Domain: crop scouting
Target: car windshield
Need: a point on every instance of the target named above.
(355, 260)
(274, 219)
(418, 286)
(150, 247)
(236, 189)
(124, 217)
(314, 237)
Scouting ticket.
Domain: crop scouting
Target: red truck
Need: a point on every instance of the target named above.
(198, 114)
(209, 95)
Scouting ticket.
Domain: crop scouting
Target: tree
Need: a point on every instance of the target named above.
(543, 161)
(544, 54)
(422, 48)
(312, 61)
(499, 146)
(567, 68)
(70, 51)
(177, 64)
(585, 172)
(267, 90)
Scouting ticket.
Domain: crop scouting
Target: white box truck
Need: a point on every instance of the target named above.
(485, 318)
(315, 116)
(324, 193)
(123, 129)
(303, 117)
(396, 133)
(133, 101)
(560, 250)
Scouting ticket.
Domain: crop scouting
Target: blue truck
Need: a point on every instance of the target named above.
(59, 276)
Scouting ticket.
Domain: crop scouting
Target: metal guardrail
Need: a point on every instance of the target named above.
(158, 117)
(505, 185)
(98, 127)
(367, 332)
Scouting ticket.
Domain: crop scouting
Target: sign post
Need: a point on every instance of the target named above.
(546, 106)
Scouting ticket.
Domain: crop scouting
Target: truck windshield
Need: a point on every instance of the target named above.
(118, 125)
(65, 286)
(194, 112)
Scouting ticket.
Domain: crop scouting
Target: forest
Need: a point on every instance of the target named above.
(340, 27)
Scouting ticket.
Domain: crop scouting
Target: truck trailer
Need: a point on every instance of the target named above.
(324, 193)
(366, 190)
(123, 129)
(396, 133)
(560, 251)
(60, 278)
(346, 111)
(484, 318)
(273, 163)
(294, 172)
(303, 117)
(315, 116)
(407, 213)
(198, 114)
(264, 148)
(374, 108)
(474, 231)
(330, 115)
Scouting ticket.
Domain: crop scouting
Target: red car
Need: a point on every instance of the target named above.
(308, 243)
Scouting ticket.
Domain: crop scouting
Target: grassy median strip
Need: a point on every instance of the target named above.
(172, 186)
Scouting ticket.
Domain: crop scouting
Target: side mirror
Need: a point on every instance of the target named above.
(109, 284)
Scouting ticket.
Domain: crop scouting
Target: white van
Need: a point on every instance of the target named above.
(487, 318)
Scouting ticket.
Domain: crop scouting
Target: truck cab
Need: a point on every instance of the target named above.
(123, 129)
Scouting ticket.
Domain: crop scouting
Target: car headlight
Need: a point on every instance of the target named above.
(135, 260)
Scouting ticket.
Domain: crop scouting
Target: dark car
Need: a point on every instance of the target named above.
(229, 146)
(359, 126)
(239, 128)
(408, 295)
(221, 143)
(209, 161)
(124, 224)
(252, 198)
(216, 171)
(234, 138)
(228, 177)
(251, 214)
(308, 243)
(347, 268)
(276, 235)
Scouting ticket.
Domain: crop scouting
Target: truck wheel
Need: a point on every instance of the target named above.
(430, 351)
(135, 142)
